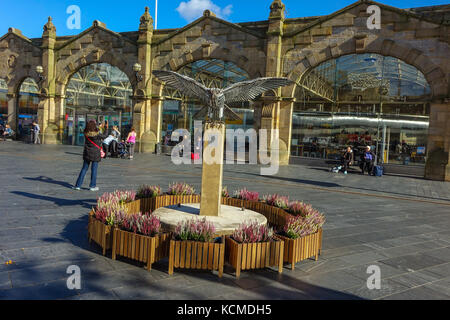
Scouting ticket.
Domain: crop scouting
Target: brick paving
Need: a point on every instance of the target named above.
(401, 224)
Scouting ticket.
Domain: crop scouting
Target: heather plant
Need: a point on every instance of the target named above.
(106, 212)
(244, 194)
(195, 230)
(300, 208)
(277, 201)
(180, 189)
(252, 232)
(146, 191)
(225, 193)
(145, 224)
(120, 196)
(300, 226)
(125, 196)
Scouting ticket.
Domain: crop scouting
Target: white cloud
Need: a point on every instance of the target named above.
(193, 9)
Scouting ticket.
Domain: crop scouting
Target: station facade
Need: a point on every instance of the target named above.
(386, 87)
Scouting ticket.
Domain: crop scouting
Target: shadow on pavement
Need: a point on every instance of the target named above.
(85, 203)
(49, 180)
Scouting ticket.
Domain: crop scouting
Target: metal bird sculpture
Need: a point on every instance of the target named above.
(216, 99)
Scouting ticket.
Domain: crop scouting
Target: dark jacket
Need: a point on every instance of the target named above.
(92, 152)
(348, 157)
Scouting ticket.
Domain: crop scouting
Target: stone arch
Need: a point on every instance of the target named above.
(208, 51)
(433, 73)
(65, 72)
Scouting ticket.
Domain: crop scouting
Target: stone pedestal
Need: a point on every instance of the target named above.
(212, 170)
(229, 220)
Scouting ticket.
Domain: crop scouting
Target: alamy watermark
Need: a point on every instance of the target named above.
(74, 280)
(235, 140)
(74, 20)
(374, 21)
(374, 280)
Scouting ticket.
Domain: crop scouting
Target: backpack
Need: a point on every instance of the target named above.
(378, 171)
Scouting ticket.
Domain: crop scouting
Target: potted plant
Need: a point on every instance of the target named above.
(302, 233)
(147, 196)
(101, 218)
(253, 246)
(194, 246)
(178, 192)
(139, 237)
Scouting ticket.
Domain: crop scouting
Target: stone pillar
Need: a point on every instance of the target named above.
(285, 125)
(47, 113)
(438, 155)
(12, 112)
(272, 112)
(212, 171)
(146, 109)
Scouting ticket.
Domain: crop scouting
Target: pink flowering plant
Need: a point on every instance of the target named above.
(144, 224)
(120, 196)
(146, 191)
(300, 208)
(180, 189)
(300, 226)
(108, 206)
(277, 201)
(252, 232)
(244, 194)
(195, 230)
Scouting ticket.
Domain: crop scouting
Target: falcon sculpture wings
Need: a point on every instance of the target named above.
(215, 99)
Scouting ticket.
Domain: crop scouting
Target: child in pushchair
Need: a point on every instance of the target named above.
(123, 149)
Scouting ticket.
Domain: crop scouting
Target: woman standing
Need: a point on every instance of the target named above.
(131, 139)
(91, 154)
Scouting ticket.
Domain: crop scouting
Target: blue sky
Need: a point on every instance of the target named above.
(29, 16)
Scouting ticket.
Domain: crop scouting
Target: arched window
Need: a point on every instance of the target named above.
(28, 103)
(3, 101)
(179, 111)
(98, 92)
(362, 99)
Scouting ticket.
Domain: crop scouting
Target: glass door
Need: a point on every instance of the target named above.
(80, 125)
(69, 130)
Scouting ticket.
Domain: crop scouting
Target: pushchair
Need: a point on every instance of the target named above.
(122, 149)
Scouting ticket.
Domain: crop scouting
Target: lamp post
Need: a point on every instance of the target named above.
(137, 68)
(40, 71)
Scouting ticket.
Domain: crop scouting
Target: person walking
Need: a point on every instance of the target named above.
(91, 155)
(347, 159)
(131, 140)
(36, 130)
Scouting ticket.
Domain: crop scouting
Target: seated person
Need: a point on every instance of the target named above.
(8, 132)
(367, 160)
(347, 159)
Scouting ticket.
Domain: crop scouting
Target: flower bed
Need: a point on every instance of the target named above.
(296, 250)
(303, 237)
(193, 247)
(100, 233)
(253, 247)
(300, 241)
(139, 247)
(196, 255)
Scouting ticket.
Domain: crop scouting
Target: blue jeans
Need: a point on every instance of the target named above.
(83, 173)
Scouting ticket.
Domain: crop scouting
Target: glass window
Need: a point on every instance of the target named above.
(3, 101)
(98, 91)
(28, 103)
(179, 111)
(359, 100)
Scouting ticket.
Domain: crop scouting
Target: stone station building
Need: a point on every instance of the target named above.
(386, 87)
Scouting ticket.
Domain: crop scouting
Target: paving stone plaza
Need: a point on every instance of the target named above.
(366, 85)
(398, 223)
